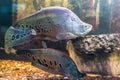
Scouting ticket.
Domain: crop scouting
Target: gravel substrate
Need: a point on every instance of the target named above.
(20, 70)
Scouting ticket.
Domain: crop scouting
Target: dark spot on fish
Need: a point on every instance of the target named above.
(50, 63)
(24, 34)
(21, 36)
(28, 54)
(23, 27)
(46, 65)
(42, 29)
(60, 65)
(55, 63)
(44, 60)
(26, 26)
(39, 61)
(17, 36)
(30, 27)
(13, 37)
(37, 29)
(33, 58)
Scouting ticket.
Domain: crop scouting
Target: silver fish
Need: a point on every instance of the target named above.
(55, 23)
(53, 61)
(14, 37)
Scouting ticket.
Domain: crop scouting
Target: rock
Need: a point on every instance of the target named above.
(96, 60)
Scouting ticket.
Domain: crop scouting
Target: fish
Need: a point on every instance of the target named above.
(52, 61)
(15, 37)
(55, 23)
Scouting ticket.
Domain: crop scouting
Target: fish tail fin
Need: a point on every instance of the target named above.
(15, 37)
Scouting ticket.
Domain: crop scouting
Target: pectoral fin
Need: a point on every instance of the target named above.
(64, 36)
(10, 50)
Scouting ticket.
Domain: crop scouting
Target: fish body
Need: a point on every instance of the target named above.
(55, 23)
(15, 37)
(53, 61)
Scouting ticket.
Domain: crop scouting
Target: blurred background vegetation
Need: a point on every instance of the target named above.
(104, 15)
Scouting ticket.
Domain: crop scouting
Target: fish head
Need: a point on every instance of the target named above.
(83, 29)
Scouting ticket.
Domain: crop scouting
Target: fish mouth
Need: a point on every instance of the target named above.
(88, 30)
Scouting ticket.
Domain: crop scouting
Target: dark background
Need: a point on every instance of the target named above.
(5, 18)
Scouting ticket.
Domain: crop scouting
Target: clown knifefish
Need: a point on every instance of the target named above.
(53, 61)
(55, 23)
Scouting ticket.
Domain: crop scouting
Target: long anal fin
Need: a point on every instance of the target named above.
(63, 36)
